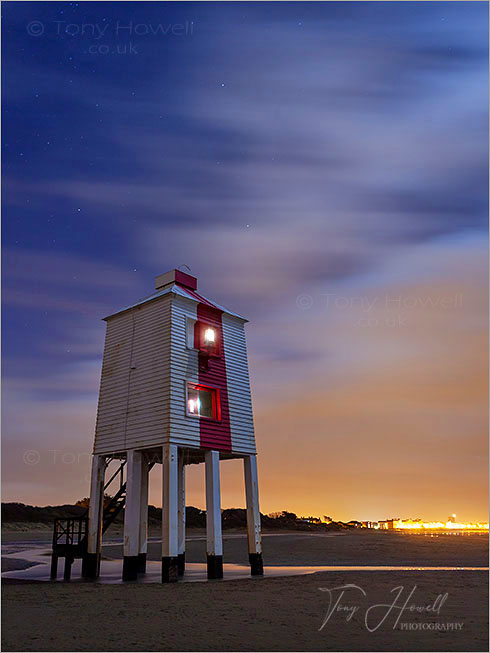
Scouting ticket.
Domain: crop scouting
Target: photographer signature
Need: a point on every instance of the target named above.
(375, 615)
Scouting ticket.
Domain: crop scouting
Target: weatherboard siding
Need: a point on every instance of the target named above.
(134, 392)
(239, 397)
(184, 430)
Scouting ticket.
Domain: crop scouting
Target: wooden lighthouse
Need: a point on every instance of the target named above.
(174, 391)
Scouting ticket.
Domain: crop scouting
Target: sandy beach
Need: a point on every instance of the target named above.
(270, 614)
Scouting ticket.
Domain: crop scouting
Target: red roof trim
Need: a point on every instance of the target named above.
(200, 299)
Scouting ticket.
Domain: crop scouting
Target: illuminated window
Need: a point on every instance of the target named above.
(206, 338)
(203, 401)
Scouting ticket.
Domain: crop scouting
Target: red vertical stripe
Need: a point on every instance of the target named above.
(215, 434)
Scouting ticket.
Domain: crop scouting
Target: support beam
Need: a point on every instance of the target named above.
(253, 516)
(181, 512)
(170, 547)
(143, 534)
(54, 566)
(213, 516)
(91, 560)
(132, 512)
(67, 570)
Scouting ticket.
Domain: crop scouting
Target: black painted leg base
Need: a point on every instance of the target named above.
(141, 563)
(90, 566)
(181, 564)
(256, 564)
(130, 567)
(215, 567)
(169, 569)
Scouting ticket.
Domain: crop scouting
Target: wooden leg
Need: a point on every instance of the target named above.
(91, 560)
(169, 515)
(143, 532)
(213, 516)
(54, 566)
(181, 512)
(253, 516)
(132, 515)
(68, 564)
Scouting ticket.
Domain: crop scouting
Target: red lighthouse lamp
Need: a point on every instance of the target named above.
(209, 337)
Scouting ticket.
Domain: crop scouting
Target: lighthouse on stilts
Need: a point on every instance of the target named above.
(174, 391)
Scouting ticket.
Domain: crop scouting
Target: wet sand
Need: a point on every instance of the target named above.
(269, 614)
(277, 614)
(351, 548)
(356, 547)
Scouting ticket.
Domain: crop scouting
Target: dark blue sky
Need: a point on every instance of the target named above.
(280, 150)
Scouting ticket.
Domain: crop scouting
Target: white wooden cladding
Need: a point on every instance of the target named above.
(239, 397)
(135, 384)
(147, 363)
(184, 430)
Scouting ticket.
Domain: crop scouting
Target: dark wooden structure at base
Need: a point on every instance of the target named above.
(70, 535)
(69, 542)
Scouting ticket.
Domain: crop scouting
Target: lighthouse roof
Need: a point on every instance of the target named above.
(183, 291)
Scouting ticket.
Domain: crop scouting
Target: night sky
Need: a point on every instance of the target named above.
(323, 170)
